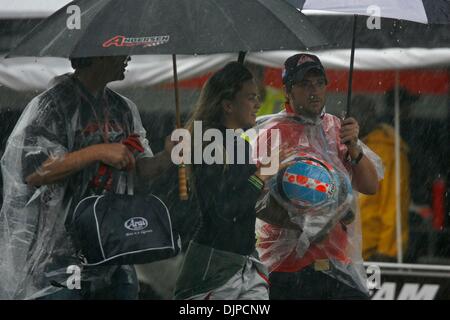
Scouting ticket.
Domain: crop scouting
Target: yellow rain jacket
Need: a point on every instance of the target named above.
(273, 101)
(378, 212)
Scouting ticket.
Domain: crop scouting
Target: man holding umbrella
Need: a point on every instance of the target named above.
(322, 265)
(76, 139)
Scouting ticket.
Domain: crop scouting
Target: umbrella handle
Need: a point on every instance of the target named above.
(182, 181)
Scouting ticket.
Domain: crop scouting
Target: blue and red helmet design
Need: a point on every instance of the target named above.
(309, 182)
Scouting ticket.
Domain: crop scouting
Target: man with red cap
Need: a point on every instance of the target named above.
(329, 267)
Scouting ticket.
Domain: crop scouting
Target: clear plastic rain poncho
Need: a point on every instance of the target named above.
(36, 248)
(316, 192)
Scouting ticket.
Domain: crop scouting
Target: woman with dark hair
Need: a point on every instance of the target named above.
(221, 261)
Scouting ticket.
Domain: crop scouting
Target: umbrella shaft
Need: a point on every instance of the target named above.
(177, 95)
(352, 59)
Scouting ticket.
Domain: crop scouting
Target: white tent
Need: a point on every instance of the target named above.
(23, 74)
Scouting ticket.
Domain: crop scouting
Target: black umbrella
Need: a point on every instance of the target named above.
(119, 27)
(419, 11)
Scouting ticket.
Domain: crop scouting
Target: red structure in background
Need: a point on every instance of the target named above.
(427, 81)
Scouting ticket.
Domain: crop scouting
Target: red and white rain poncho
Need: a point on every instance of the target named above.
(327, 233)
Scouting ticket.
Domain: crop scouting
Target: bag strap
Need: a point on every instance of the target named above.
(125, 179)
(129, 181)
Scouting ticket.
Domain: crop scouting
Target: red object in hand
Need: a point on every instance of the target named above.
(133, 143)
(437, 193)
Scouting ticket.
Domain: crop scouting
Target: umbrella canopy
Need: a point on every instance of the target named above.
(29, 8)
(112, 27)
(422, 11)
(391, 34)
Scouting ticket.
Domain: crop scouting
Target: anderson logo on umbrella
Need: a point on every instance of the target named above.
(122, 41)
(136, 224)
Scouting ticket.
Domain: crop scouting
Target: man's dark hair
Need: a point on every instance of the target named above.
(80, 63)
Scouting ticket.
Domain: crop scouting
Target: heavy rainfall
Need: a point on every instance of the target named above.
(378, 147)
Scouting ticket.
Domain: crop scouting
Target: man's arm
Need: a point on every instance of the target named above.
(55, 169)
(365, 179)
(151, 167)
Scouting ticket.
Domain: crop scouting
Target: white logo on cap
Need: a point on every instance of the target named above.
(304, 59)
